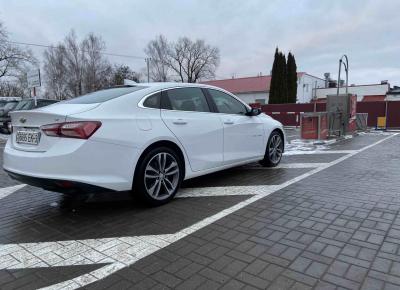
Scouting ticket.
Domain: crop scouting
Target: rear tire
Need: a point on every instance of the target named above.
(159, 176)
(274, 150)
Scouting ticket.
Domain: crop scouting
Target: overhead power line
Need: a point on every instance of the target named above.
(54, 47)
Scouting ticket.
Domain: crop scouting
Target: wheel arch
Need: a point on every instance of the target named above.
(162, 143)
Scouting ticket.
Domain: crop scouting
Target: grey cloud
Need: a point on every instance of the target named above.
(246, 32)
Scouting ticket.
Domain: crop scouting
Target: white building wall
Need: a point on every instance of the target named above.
(392, 97)
(360, 91)
(250, 98)
(305, 87)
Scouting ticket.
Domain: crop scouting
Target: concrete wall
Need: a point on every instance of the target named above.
(305, 87)
(250, 98)
(360, 91)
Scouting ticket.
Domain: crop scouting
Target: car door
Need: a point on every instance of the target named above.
(243, 135)
(186, 112)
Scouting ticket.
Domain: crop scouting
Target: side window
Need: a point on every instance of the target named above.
(226, 103)
(153, 101)
(187, 99)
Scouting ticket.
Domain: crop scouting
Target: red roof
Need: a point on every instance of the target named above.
(373, 98)
(244, 85)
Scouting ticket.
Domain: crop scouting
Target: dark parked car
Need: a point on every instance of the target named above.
(26, 104)
(4, 115)
(5, 100)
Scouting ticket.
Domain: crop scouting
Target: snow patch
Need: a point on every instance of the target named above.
(301, 146)
(377, 133)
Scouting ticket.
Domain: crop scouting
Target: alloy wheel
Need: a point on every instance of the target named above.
(275, 148)
(161, 176)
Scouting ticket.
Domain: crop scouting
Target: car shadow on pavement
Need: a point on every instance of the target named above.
(50, 217)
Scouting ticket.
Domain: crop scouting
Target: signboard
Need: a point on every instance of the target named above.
(33, 77)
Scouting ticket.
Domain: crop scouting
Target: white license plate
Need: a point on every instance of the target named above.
(27, 137)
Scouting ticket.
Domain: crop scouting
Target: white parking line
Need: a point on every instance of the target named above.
(6, 191)
(223, 190)
(288, 166)
(299, 152)
(128, 250)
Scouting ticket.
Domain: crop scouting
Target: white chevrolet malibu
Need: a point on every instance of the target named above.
(146, 138)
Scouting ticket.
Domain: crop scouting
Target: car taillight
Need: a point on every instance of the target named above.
(51, 129)
(79, 129)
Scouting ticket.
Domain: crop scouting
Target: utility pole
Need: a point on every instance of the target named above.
(148, 68)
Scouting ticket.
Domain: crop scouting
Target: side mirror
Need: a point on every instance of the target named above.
(254, 112)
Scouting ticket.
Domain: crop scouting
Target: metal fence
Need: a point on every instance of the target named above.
(289, 114)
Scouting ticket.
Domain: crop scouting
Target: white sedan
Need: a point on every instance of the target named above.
(146, 138)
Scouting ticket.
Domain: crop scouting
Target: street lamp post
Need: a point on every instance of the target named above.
(346, 67)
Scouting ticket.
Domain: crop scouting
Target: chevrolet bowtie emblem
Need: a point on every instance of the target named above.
(22, 120)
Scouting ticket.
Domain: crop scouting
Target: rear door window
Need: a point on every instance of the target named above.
(186, 99)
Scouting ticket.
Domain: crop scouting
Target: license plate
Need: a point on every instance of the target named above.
(27, 137)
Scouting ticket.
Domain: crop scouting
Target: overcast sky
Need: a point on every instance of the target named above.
(246, 32)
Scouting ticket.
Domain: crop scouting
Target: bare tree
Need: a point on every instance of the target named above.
(54, 71)
(73, 68)
(157, 51)
(187, 59)
(74, 61)
(97, 69)
(11, 89)
(14, 63)
(193, 60)
(12, 57)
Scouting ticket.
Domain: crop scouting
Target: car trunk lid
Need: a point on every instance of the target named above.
(27, 135)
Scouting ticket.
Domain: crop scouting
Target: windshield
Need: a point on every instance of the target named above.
(103, 95)
(23, 105)
(9, 106)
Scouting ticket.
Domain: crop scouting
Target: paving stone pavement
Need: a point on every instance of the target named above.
(336, 229)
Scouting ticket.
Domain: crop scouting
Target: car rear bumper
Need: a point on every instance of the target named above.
(57, 185)
(79, 162)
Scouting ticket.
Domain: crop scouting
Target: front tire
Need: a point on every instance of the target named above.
(274, 150)
(159, 176)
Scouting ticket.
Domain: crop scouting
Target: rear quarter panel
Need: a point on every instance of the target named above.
(126, 124)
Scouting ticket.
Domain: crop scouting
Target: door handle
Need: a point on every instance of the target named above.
(179, 122)
(228, 122)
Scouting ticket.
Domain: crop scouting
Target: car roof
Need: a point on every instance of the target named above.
(166, 85)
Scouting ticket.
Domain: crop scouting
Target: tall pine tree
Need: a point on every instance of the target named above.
(291, 78)
(283, 78)
(274, 85)
(283, 87)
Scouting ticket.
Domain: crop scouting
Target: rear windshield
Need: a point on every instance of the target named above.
(103, 95)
